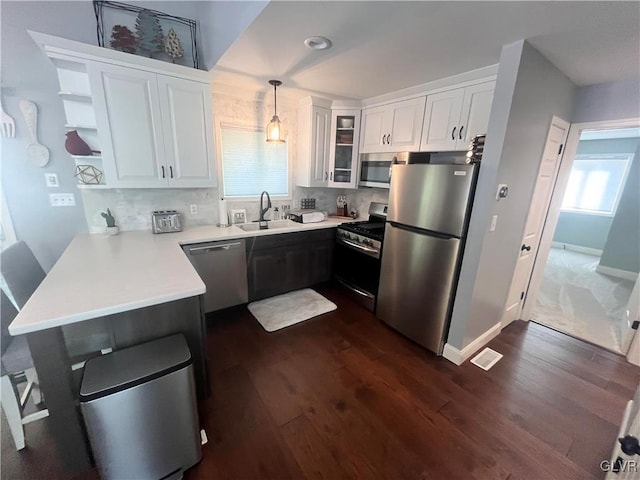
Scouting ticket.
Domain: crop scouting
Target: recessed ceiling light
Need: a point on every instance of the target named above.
(318, 43)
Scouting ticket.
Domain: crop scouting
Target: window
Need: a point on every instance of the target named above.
(251, 165)
(596, 183)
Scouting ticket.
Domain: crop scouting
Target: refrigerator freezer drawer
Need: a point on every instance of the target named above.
(416, 281)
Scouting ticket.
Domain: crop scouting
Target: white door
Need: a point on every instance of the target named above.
(631, 315)
(441, 119)
(476, 108)
(187, 122)
(406, 127)
(535, 219)
(128, 119)
(373, 129)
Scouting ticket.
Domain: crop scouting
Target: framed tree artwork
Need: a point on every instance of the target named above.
(146, 32)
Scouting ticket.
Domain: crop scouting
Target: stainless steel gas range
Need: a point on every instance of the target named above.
(357, 255)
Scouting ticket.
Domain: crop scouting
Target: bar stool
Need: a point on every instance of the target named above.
(16, 367)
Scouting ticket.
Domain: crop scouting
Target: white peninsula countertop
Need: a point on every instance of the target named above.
(100, 275)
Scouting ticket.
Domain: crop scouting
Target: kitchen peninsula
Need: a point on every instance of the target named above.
(143, 286)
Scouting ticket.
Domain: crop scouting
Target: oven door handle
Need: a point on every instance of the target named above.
(358, 246)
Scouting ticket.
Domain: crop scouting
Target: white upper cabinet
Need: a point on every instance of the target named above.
(394, 127)
(343, 149)
(452, 118)
(314, 126)
(129, 126)
(155, 130)
(188, 134)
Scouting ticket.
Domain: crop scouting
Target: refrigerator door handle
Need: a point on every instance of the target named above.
(421, 231)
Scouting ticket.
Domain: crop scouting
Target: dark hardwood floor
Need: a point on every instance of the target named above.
(344, 396)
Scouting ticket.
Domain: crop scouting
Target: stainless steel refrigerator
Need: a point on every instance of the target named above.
(427, 219)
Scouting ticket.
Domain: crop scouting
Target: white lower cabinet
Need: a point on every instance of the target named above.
(155, 130)
(453, 117)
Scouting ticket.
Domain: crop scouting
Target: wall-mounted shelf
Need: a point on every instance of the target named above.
(86, 157)
(77, 97)
(83, 186)
(69, 126)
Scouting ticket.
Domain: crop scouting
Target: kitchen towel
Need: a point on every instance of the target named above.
(223, 213)
(290, 308)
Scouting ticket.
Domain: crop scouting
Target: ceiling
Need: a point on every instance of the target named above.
(380, 47)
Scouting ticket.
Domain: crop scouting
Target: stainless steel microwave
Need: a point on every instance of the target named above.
(375, 168)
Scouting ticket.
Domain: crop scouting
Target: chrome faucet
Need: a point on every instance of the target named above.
(264, 210)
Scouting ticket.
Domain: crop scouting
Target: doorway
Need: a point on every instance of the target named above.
(584, 277)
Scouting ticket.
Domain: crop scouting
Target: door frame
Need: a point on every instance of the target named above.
(553, 212)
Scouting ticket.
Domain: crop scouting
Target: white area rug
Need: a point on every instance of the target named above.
(290, 308)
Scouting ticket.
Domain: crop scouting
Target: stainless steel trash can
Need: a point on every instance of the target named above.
(139, 407)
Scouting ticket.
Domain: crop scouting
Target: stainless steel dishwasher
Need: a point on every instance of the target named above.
(223, 269)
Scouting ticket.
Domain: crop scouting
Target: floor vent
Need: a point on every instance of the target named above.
(486, 359)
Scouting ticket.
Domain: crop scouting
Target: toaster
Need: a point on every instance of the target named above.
(166, 221)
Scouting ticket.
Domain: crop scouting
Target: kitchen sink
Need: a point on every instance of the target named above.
(268, 225)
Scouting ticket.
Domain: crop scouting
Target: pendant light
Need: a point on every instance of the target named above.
(275, 131)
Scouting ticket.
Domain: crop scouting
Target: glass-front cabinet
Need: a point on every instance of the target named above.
(343, 150)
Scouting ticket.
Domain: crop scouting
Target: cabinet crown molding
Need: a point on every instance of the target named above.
(55, 46)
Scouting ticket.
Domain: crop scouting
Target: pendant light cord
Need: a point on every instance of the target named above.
(275, 100)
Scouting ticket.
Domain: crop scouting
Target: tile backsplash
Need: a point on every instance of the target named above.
(132, 207)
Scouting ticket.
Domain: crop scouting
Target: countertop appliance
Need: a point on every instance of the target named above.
(427, 220)
(223, 269)
(307, 216)
(357, 255)
(375, 168)
(166, 221)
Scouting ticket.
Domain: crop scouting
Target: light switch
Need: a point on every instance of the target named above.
(51, 179)
(494, 222)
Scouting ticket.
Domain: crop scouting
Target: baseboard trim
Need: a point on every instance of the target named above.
(577, 248)
(616, 272)
(458, 357)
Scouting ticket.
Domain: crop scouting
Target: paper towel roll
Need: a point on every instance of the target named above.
(223, 213)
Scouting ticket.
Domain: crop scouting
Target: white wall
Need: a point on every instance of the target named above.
(608, 101)
(529, 91)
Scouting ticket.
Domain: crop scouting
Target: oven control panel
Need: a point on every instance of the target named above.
(360, 243)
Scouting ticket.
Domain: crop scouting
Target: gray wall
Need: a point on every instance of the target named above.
(27, 73)
(529, 91)
(622, 249)
(607, 101)
(584, 229)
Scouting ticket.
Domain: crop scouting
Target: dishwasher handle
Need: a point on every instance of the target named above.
(212, 248)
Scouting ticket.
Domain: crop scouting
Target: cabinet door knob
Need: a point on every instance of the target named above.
(326, 176)
(383, 138)
(453, 133)
(525, 247)
(171, 171)
(389, 139)
(331, 176)
(461, 128)
(163, 171)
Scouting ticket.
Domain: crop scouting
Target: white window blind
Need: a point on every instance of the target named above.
(251, 165)
(596, 183)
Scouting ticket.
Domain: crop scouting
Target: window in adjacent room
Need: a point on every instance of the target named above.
(251, 165)
(596, 183)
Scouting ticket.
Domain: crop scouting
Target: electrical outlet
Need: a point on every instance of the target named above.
(494, 222)
(193, 209)
(62, 199)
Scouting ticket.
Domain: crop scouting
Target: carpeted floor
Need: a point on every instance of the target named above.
(577, 300)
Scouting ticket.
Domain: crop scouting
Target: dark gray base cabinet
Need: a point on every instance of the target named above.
(281, 263)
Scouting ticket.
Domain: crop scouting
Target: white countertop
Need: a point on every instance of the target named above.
(100, 275)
